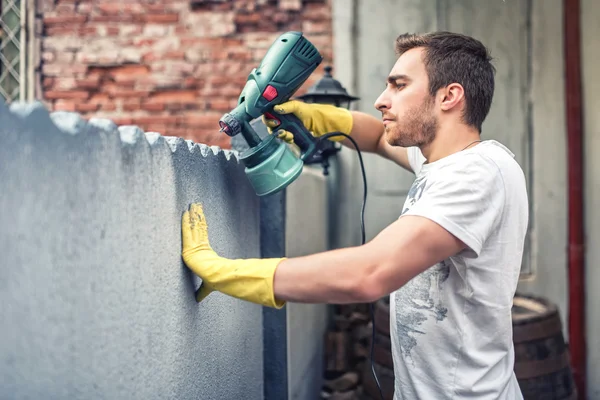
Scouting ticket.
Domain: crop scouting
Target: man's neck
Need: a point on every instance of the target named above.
(449, 141)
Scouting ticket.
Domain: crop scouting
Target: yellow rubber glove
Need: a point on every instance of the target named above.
(246, 279)
(319, 119)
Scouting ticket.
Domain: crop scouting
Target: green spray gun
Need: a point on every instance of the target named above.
(270, 164)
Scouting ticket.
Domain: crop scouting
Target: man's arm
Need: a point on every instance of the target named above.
(366, 273)
(367, 131)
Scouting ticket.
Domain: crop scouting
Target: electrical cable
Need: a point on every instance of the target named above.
(363, 237)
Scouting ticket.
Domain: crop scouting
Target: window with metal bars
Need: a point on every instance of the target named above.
(11, 47)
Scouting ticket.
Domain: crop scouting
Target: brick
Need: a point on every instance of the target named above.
(88, 83)
(126, 71)
(108, 107)
(156, 30)
(153, 107)
(47, 82)
(173, 96)
(156, 119)
(84, 8)
(259, 40)
(104, 30)
(162, 7)
(192, 83)
(100, 98)
(119, 17)
(119, 121)
(311, 27)
(48, 56)
(62, 20)
(181, 69)
(67, 94)
(316, 12)
(64, 83)
(222, 105)
(130, 30)
(64, 105)
(281, 18)
(131, 106)
(119, 7)
(239, 55)
(118, 91)
(212, 24)
(160, 18)
(60, 44)
(86, 107)
(247, 19)
(202, 121)
(294, 5)
(65, 8)
(71, 31)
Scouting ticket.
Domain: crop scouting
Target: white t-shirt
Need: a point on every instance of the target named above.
(451, 326)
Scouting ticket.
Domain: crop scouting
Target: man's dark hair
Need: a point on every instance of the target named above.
(455, 58)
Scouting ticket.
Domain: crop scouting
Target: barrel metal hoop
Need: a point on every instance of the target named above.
(538, 330)
(533, 369)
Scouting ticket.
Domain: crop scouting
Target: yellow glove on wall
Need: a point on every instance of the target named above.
(319, 119)
(246, 279)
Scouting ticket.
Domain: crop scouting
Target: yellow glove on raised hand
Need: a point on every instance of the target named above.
(319, 119)
(246, 279)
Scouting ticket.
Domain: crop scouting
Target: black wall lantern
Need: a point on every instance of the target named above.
(327, 90)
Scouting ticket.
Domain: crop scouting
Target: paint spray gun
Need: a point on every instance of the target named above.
(270, 164)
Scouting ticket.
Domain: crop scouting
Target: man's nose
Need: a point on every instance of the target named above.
(382, 101)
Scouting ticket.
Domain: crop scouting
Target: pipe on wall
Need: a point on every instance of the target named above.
(576, 233)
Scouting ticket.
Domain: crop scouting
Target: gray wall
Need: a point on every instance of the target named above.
(96, 302)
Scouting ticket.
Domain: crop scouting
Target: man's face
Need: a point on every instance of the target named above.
(407, 108)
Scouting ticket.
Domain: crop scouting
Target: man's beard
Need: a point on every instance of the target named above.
(418, 127)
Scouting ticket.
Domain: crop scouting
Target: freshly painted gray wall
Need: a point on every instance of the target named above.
(96, 302)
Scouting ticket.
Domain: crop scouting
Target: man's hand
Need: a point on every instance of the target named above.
(319, 119)
(250, 279)
(196, 247)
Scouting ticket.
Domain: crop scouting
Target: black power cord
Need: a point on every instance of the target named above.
(362, 229)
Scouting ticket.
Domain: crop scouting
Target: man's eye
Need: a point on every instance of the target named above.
(400, 85)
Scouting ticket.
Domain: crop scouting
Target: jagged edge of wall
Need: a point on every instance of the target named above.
(71, 123)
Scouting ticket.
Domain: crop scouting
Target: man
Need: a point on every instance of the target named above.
(450, 262)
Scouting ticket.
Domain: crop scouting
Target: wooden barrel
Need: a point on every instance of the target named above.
(542, 363)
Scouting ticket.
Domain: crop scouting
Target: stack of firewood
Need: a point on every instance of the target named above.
(348, 374)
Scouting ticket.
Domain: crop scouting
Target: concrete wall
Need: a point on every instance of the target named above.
(96, 302)
(590, 31)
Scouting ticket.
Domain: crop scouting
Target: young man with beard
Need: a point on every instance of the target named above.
(450, 262)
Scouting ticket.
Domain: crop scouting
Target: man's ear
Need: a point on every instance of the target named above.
(452, 95)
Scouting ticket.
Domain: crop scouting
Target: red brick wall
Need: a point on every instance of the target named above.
(170, 66)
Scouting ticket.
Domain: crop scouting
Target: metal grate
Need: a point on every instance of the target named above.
(10, 50)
